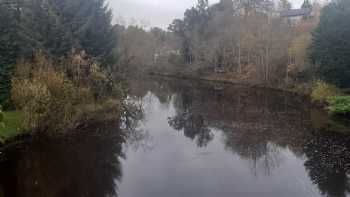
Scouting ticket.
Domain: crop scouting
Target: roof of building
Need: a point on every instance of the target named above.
(296, 12)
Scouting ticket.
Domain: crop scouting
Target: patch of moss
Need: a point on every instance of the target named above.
(11, 125)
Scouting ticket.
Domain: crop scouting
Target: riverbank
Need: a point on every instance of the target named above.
(329, 101)
(217, 79)
(12, 130)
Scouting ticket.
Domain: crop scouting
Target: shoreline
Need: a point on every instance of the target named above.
(225, 81)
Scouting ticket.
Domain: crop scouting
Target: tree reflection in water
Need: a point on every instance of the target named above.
(193, 127)
(257, 124)
(85, 164)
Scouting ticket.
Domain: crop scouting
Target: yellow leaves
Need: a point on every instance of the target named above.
(323, 91)
(298, 50)
(44, 96)
(50, 100)
(33, 97)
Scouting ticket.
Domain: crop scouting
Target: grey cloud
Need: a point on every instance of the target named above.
(157, 12)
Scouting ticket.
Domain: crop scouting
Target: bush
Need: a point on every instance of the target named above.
(52, 100)
(45, 100)
(322, 91)
(339, 105)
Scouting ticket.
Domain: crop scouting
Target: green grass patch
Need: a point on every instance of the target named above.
(11, 125)
(339, 105)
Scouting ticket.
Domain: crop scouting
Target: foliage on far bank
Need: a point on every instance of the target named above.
(339, 105)
(322, 91)
(236, 36)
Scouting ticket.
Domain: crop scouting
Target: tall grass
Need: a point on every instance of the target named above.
(54, 99)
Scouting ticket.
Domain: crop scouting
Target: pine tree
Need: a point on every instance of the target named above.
(306, 4)
(58, 26)
(8, 48)
(331, 47)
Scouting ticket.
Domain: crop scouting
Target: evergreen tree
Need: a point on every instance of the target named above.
(58, 26)
(306, 4)
(8, 48)
(331, 47)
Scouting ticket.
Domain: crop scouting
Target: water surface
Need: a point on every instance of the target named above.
(195, 140)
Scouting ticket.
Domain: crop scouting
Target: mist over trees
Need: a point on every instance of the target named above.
(247, 38)
(141, 50)
(241, 36)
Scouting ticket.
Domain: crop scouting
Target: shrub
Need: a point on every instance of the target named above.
(50, 101)
(321, 91)
(339, 105)
(47, 99)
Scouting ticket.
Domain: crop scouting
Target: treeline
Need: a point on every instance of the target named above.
(248, 38)
(55, 62)
(141, 50)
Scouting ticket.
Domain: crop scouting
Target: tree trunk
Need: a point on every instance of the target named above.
(239, 57)
(267, 62)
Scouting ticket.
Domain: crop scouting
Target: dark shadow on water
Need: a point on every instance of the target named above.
(86, 164)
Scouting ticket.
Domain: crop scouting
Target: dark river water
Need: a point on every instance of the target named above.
(194, 139)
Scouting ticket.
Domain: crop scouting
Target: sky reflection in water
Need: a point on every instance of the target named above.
(195, 139)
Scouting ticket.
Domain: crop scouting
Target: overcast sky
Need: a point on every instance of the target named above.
(156, 12)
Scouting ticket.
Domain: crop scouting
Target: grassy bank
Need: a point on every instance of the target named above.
(11, 125)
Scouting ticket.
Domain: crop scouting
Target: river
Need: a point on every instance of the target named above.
(195, 139)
